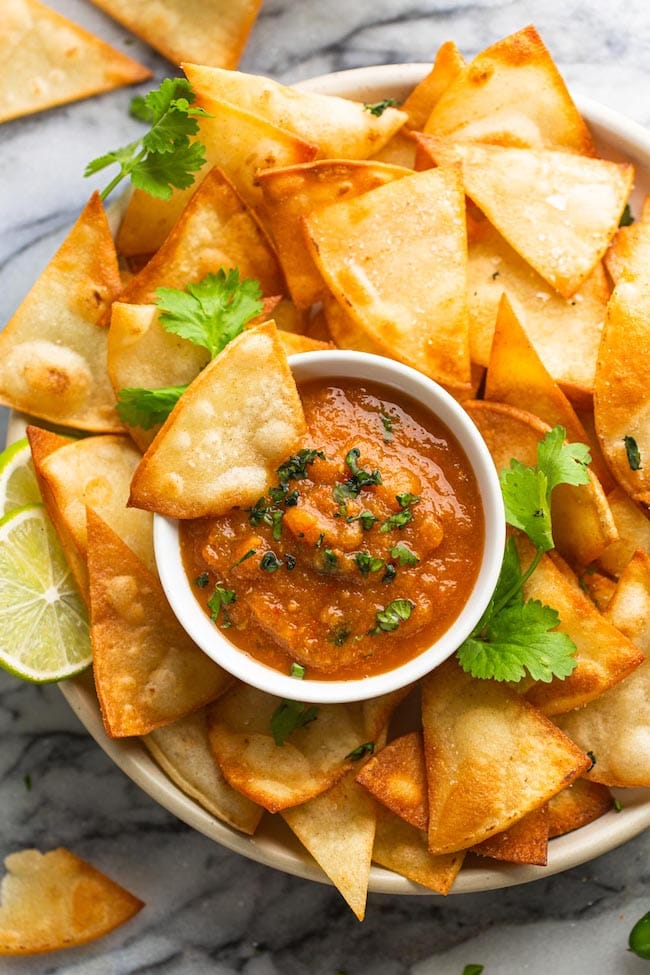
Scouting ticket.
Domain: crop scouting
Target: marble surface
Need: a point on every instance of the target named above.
(208, 910)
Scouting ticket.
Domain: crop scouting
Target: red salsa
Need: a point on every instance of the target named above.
(362, 553)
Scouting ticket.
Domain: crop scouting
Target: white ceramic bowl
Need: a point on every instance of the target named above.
(617, 137)
(339, 364)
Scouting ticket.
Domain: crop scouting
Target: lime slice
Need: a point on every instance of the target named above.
(44, 634)
(18, 485)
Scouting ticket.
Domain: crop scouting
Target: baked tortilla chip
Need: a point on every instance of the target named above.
(629, 254)
(207, 31)
(396, 777)
(294, 192)
(583, 526)
(621, 396)
(341, 128)
(55, 900)
(147, 671)
(621, 747)
(48, 60)
(311, 760)
(403, 281)
(512, 94)
(448, 64)
(220, 445)
(403, 849)
(559, 211)
(633, 528)
(579, 804)
(338, 829)
(491, 758)
(182, 750)
(526, 841)
(53, 352)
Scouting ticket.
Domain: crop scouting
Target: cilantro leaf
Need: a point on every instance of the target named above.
(388, 619)
(165, 157)
(211, 312)
(145, 408)
(563, 463)
(368, 563)
(378, 108)
(633, 453)
(403, 554)
(521, 637)
(288, 717)
(626, 217)
(368, 748)
(217, 603)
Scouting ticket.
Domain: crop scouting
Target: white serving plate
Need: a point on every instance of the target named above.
(274, 845)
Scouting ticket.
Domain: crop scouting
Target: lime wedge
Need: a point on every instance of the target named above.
(44, 634)
(18, 485)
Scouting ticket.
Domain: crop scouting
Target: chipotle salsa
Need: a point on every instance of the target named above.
(362, 553)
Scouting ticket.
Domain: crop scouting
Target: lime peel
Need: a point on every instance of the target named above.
(18, 485)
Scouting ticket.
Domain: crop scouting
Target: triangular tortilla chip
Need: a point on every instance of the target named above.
(621, 394)
(338, 829)
(403, 848)
(526, 841)
(221, 444)
(564, 332)
(583, 526)
(52, 352)
(402, 280)
(579, 804)
(48, 60)
(147, 671)
(396, 776)
(558, 210)
(629, 254)
(512, 94)
(491, 758)
(342, 129)
(633, 528)
(600, 588)
(55, 900)
(208, 31)
(182, 750)
(293, 192)
(621, 746)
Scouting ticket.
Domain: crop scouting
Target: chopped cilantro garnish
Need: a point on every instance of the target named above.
(406, 499)
(516, 636)
(368, 748)
(397, 520)
(217, 603)
(339, 634)
(249, 555)
(378, 108)
(276, 524)
(295, 469)
(320, 539)
(202, 580)
(288, 717)
(389, 573)
(388, 619)
(368, 563)
(366, 519)
(329, 563)
(633, 453)
(164, 158)
(359, 479)
(617, 805)
(387, 423)
(270, 562)
(404, 555)
(290, 561)
(626, 216)
(297, 671)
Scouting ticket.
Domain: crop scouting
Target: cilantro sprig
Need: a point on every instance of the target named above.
(514, 637)
(209, 313)
(165, 158)
(288, 717)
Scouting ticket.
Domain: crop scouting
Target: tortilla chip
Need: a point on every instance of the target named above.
(491, 758)
(48, 60)
(526, 841)
(147, 671)
(215, 230)
(604, 655)
(629, 255)
(293, 192)
(207, 31)
(403, 848)
(396, 776)
(581, 803)
(598, 587)
(621, 747)
(222, 442)
(564, 332)
(559, 211)
(633, 528)
(294, 344)
(448, 64)
(583, 526)
(311, 759)
(182, 750)
(342, 129)
(621, 396)
(52, 354)
(338, 829)
(55, 900)
(367, 252)
(512, 94)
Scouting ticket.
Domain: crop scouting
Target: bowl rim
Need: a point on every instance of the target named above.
(132, 757)
(333, 364)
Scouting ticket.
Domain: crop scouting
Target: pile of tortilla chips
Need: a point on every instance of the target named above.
(473, 234)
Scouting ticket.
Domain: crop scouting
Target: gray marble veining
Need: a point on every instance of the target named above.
(210, 912)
